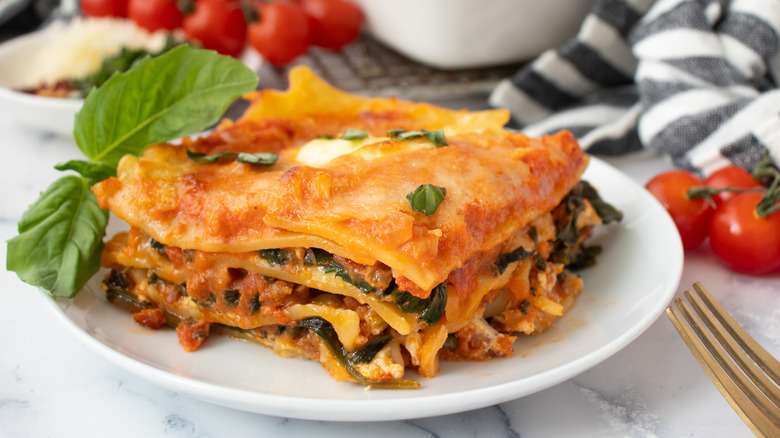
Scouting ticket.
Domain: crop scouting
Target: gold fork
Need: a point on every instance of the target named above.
(746, 374)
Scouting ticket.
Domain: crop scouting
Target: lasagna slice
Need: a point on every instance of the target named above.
(370, 235)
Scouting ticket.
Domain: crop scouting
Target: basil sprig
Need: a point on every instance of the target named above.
(175, 94)
(426, 198)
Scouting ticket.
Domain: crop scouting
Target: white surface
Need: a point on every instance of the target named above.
(623, 296)
(53, 385)
(452, 34)
(49, 114)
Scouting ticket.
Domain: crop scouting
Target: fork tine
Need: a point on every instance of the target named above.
(744, 398)
(768, 364)
(737, 355)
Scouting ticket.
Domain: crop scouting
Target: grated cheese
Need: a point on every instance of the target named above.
(77, 48)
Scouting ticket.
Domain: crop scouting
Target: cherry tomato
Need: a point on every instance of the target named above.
(692, 216)
(154, 15)
(730, 176)
(742, 240)
(218, 25)
(334, 23)
(104, 8)
(281, 33)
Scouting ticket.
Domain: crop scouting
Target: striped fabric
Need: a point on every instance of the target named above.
(694, 79)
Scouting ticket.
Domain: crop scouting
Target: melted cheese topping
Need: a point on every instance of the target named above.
(496, 184)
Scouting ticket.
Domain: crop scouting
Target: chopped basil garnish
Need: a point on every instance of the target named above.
(203, 158)
(354, 134)
(408, 135)
(264, 158)
(325, 137)
(426, 198)
(436, 137)
(394, 133)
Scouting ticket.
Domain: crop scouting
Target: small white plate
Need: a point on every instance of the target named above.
(634, 280)
(50, 114)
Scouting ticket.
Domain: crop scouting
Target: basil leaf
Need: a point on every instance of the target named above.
(93, 172)
(176, 94)
(325, 137)
(264, 158)
(179, 93)
(394, 133)
(408, 135)
(426, 198)
(436, 137)
(354, 134)
(60, 238)
(203, 158)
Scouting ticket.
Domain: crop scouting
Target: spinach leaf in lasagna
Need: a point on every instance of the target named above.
(327, 334)
(429, 310)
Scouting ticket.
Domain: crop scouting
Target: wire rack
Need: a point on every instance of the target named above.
(369, 68)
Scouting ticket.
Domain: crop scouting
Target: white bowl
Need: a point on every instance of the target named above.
(453, 34)
(49, 114)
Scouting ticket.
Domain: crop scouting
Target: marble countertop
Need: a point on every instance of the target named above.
(53, 385)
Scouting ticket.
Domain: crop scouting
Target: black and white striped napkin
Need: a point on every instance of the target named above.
(694, 79)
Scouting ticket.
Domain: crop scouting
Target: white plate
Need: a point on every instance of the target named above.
(633, 281)
(50, 114)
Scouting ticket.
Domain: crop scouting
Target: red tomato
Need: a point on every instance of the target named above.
(281, 33)
(104, 8)
(334, 23)
(218, 25)
(692, 216)
(730, 176)
(742, 240)
(154, 15)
